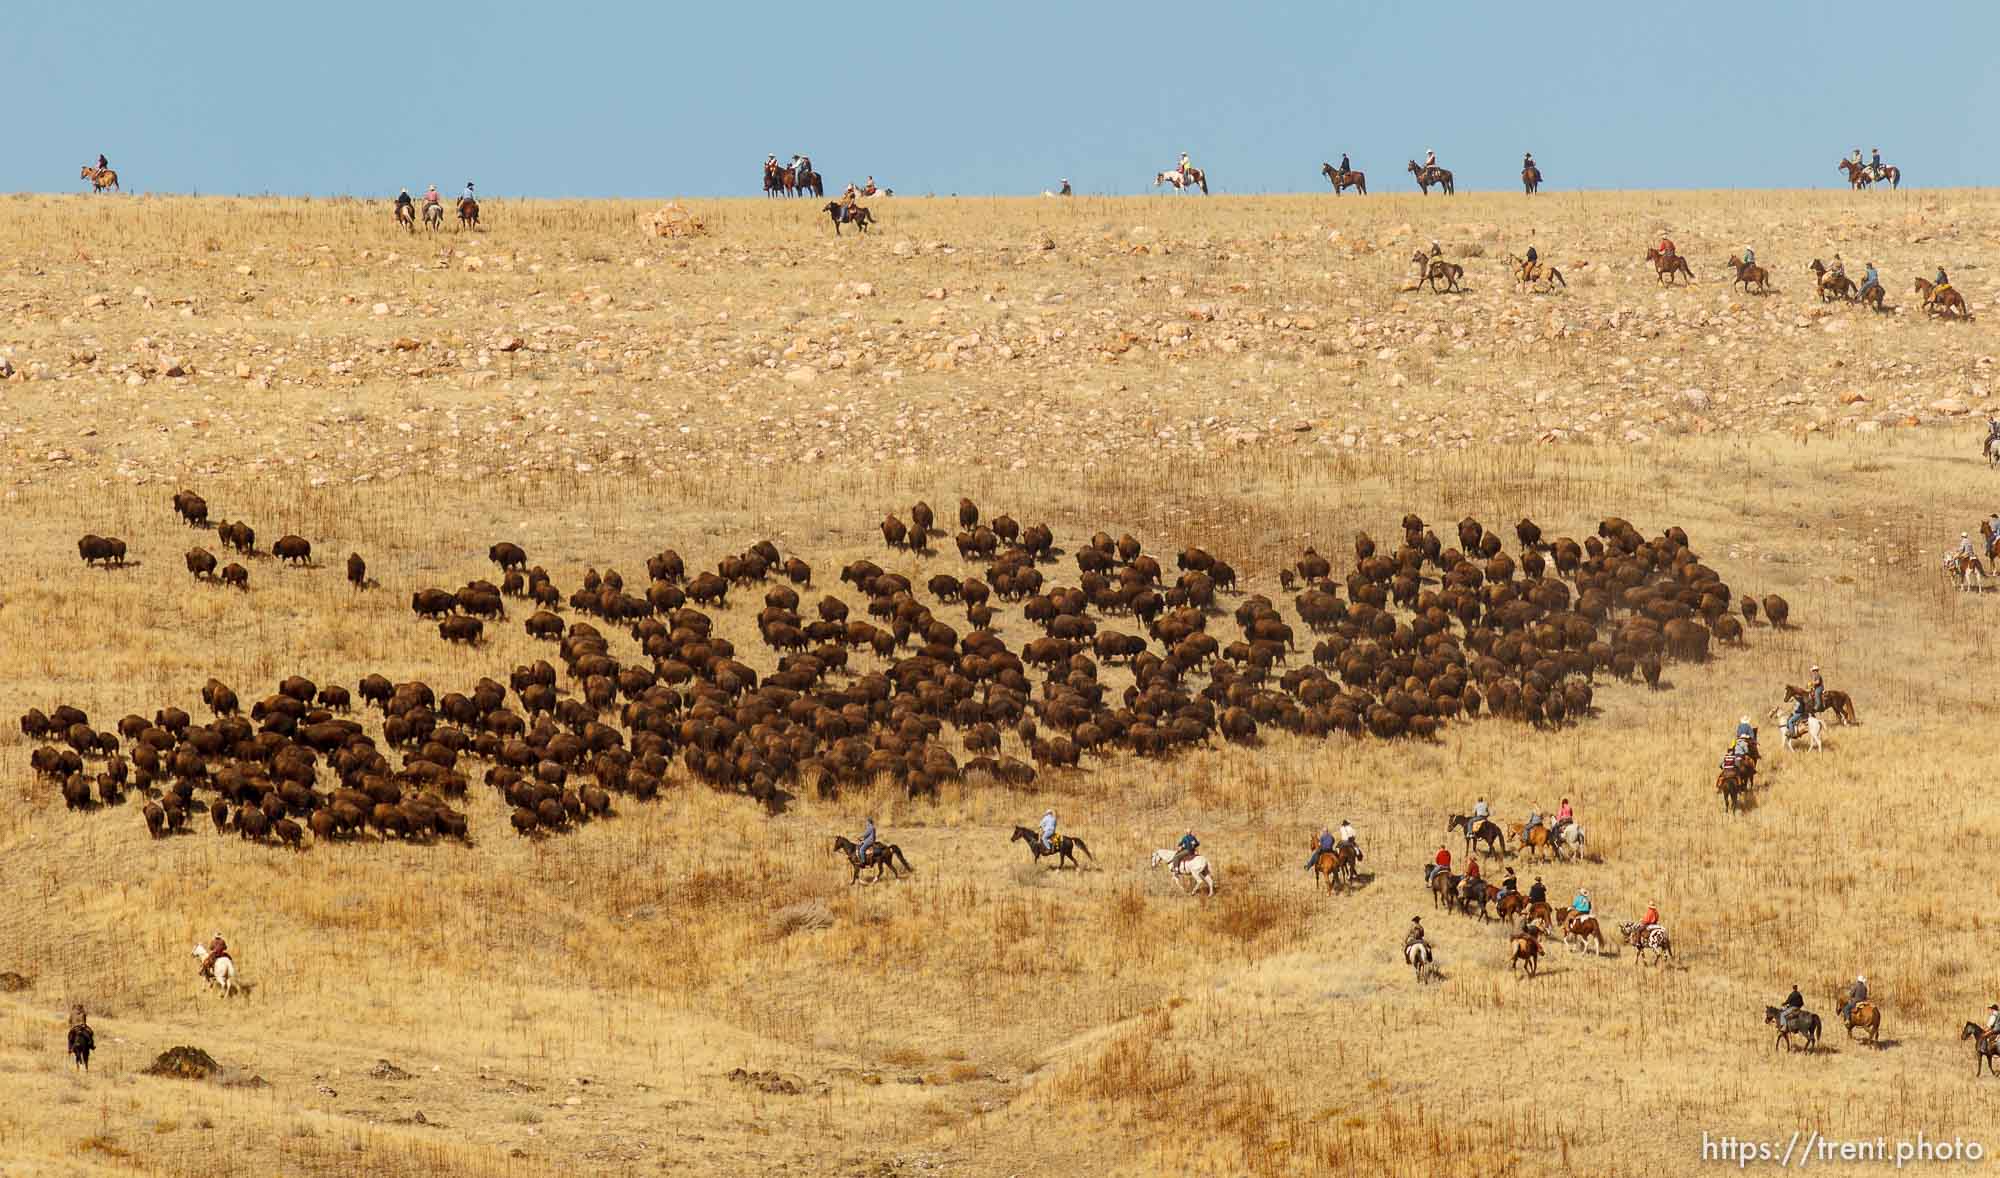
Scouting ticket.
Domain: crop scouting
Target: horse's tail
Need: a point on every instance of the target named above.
(1080, 845)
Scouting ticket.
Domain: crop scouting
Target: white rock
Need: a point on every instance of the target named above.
(801, 376)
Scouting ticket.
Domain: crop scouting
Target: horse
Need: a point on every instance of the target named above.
(1436, 268)
(1813, 731)
(82, 1041)
(1944, 302)
(1963, 569)
(1473, 895)
(1531, 180)
(1831, 701)
(1420, 958)
(804, 182)
(1539, 838)
(406, 216)
(433, 215)
(1444, 889)
(1539, 912)
(1527, 950)
(1664, 268)
(1858, 176)
(1750, 274)
(1336, 866)
(1065, 847)
(1348, 179)
(858, 217)
(222, 976)
(777, 180)
(1653, 938)
(100, 178)
(1734, 782)
(1181, 182)
(879, 855)
(468, 213)
(1581, 928)
(1985, 1048)
(1194, 869)
(1427, 176)
(1536, 273)
(1488, 832)
(1867, 1017)
(1831, 285)
(1791, 1021)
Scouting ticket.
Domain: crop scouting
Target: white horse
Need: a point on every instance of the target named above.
(1570, 841)
(1421, 960)
(1180, 183)
(223, 976)
(1813, 729)
(1195, 871)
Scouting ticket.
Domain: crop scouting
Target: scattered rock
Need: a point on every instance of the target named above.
(1950, 406)
(777, 1083)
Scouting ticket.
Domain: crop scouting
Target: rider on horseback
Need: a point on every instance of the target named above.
(403, 201)
(1940, 285)
(1534, 820)
(1416, 935)
(865, 843)
(1064, 190)
(1440, 864)
(1796, 718)
(1537, 892)
(1564, 816)
(467, 194)
(1647, 923)
(217, 947)
(1993, 1020)
(1344, 168)
(1818, 689)
(1480, 813)
(1349, 839)
(1323, 845)
(1185, 851)
(1528, 162)
(1581, 905)
(1667, 249)
(1185, 168)
(1875, 161)
(1856, 994)
(1869, 278)
(1430, 159)
(431, 195)
(1049, 831)
(1508, 885)
(1794, 1000)
(1471, 868)
(102, 166)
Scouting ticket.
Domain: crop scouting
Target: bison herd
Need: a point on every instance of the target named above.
(1416, 633)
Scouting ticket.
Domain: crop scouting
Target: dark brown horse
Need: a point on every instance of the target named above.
(1665, 267)
(1734, 783)
(1792, 1022)
(1833, 701)
(1832, 285)
(468, 213)
(1427, 176)
(1531, 180)
(880, 855)
(857, 216)
(1348, 179)
(1436, 269)
(1985, 1048)
(1444, 889)
(1485, 831)
(1065, 848)
(1527, 949)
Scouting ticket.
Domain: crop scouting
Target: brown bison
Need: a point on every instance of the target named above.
(293, 549)
(357, 571)
(466, 630)
(201, 563)
(507, 556)
(104, 551)
(236, 575)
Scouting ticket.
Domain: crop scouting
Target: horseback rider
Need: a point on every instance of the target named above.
(1538, 893)
(1838, 269)
(1528, 162)
(1749, 256)
(467, 194)
(1647, 923)
(1855, 159)
(868, 189)
(1344, 167)
(1416, 935)
(1321, 846)
(1471, 868)
(1940, 285)
(1185, 851)
(1875, 161)
(1856, 994)
(1349, 839)
(1064, 190)
(1796, 718)
(1794, 1000)
(1533, 257)
(1818, 689)
(1993, 1020)
(1430, 159)
(403, 201)
(1480, 810)
(431, 195)
(1564, 816)
(1049, 831)
(1508, 885)
(1868, 278)
(1745, 732)
(1668, 250)
(1441, 863)
(1581, 905)
(804, 166)
(1185, 168)
(865, 843)
(102, 165)
(1534, 820)
(217, 948)
(1965, 546)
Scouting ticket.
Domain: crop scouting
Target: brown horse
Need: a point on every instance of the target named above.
(1065, 848)
(1531, 180)
(1943, 301)
(1537, 840)
(468, 213)
(1444, 889)
(1831, 285)
(880, 855)
(100, 178)
(1336, 866)
(1985, 1048)
(1749, 274)
(1433, 174)
(1579, 929)
(406, 216)
(1734, 784)
(1527, 949)
(1867, 1017)
(1860, 176)
(1438, 268)
(1348, 179)
(1834, 701)
(1664, 267)
(1536, 274)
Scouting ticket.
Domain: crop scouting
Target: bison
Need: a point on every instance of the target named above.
(293, 549)
(201, 563)
(236, 575)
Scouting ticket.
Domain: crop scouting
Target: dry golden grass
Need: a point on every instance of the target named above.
(982, 1016)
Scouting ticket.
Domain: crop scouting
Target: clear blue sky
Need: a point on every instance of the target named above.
(639, 98)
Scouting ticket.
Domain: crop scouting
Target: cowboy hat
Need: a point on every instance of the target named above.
(1861, 977)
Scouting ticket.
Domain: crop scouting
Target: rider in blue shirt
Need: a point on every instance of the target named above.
(866, 842)
(1582, 903)
(1188, 846)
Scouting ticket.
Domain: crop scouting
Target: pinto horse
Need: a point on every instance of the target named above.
(1664, 267)
(1647, 938)
(1580, 929)
(1065, 848)
(1833, 701)
(1193, 178)
(1348, 179)
(1420, 958)
(1432, 175)
(100, 178)
(880, 855)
